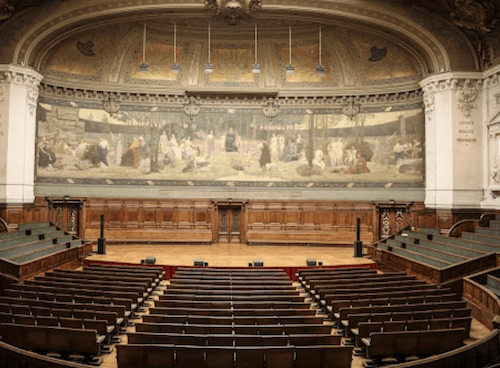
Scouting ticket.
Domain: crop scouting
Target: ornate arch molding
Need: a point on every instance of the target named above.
(26, 39)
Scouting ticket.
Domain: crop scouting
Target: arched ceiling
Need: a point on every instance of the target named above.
(417, 43)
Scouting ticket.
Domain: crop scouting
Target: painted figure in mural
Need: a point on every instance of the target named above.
(289, 152)
(274, 147)
(187, 148)
(336, 152)
(399, 151)
(143, 148)
(132, 156)
(359, 166)
(164, 143)
(210, 141)
(230, 142)
(300, 144)
(318, 160)
(46, 157)
(175, 148)
(118, 146)
(350, 156)
(81, 148)
(237, 143)
(102, 151)
(281, 144)
(265, 155)
(169, 158)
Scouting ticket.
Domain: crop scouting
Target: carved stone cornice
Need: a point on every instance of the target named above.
(178, 98)
(19, 75)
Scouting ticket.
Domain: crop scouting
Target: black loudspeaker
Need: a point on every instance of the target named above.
(205, 264)
(150, 260)
(250, 264)
(320, 263)
(258, 263)
(199, 262)
(310, 262)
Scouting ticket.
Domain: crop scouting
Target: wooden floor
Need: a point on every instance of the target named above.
(229, 255)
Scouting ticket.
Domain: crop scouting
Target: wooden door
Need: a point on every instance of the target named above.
(66, 215)
(392, 219)
(229, 224)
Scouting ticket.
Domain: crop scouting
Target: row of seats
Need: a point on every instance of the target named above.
(73, 312)
(233, 318)
(372, 309)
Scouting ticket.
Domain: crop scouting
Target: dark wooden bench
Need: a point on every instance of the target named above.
(157, 317)
(364, 329)
(229, 282)
(420, 343)
(157, 270)
(156, 356)
(230, 292)
(233, 312)
(229, 296)
(50, 339)
(296, 302)
(150, 325)
(336, 304)
(213, 287)
(153, 337)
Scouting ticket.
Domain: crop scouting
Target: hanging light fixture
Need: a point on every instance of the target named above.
(209, 68)
(143, 67)
(256, 66)
(320, 69)
(290, 68)
(175, 67)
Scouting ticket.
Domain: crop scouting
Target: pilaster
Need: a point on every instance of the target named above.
(454, 140)
(18, 101)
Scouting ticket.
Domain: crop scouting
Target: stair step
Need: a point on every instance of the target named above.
(22, 258)
(428, 251)
(419, 257)
(9, 243)
(11, 234)
(426, 230)
(33, 225)
(454, 245)
(21, 249)
(488, 231)
(491, 242)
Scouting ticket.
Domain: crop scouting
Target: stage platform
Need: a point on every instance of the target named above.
(289, 258)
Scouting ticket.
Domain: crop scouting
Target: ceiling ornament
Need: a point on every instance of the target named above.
(350, 108)
(111, 105)
(191, 108)
(234, 11)
(271, 109)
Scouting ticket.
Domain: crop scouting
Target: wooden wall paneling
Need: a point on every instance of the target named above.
(132, 214)
(291, 216)
(275, 215)
(185, 215)
(149, 214)
(166, 215)
(308, 216)
(325, 213)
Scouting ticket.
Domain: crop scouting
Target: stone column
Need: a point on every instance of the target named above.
(454, 140)
(18, 103)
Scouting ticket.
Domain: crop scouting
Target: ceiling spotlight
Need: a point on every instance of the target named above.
(143, 67)
(209, 67)
(320, 69)
(256, 65)
(290, 68)
(175, 67)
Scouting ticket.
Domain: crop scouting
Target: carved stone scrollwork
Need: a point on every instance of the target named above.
(429, 106)
(191, 108)
(111, 105)
(270, 109)
(351, 108)
(32, 99)
(467, 95)
(2, 93)
(233, 10)
(21, 76)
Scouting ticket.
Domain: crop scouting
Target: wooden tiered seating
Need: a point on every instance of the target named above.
(391, 314)
(75, 312)
(233, 318)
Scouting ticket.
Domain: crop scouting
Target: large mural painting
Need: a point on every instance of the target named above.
(81, 143)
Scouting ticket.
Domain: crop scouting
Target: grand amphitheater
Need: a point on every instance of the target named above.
(249, 183)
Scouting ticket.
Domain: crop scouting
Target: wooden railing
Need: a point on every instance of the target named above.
(469, 224)
(3, 225)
